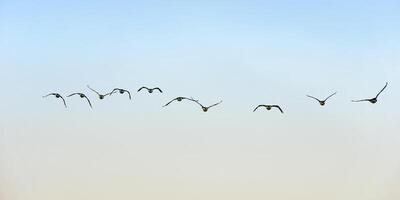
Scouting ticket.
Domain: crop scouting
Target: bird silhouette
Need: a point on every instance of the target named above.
(268, 107)
(322, 102)
(150, 90)
(205, 108)
(57, 96)
(375, 99)
(121, 91)
(101, 96)
(82, 96)
(179, 99)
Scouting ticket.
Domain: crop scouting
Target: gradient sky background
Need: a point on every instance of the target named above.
(242, 52)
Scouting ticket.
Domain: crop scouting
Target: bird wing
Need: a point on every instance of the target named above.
(258, 107)
(330, 96)
(382, 90)
(170, 102)
(90, 104)
(157, 88)
(130, 97)
(113, 91)
(143, 88)
(360, 100)
(312, 97)
(215, 104)
(276, 106)
(73, 94)
(93, 90)
(49, 94)
(63, 101)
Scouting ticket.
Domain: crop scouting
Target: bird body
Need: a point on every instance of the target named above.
(101, 96)
(322, 102)
(150, 90)
(121, 91)
(205, 108)
(57, 96)
(179, 99)
(81, 95)
(374, 99)
(268, 107)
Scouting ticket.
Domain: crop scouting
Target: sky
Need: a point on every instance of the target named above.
(244, 53)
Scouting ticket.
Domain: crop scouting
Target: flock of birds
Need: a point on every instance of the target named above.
(204, 108)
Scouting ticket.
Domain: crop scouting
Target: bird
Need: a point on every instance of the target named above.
(57, 96)
(121, 91)
(178, 99)
(204, 108)
(101, 96)
(82, 96)
(150, 90)
(268, 107)
(375, 99)
(322, 102)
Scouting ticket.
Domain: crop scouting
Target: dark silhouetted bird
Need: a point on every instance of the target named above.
(322, 102)
(375, 99)
(150, 90)
(121, 91)
(101, 96)
(179, 99)
(57, 96)
(82, 96)
(268, 107)
(205, 108)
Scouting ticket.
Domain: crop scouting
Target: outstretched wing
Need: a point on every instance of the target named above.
(90, 104)
(63, 101)
(382, 90)
(49, 95)
(157, 88)
(361, 100)
(130, 97)
(143, 88)
(312, 97)
(276, 106)
(215, 104)
(73, 94)
(113, 91)
(330, 96)
(93, 90)
(258, 107)
(170, 102)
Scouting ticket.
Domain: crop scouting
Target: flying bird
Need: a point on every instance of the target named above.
(268, 107)
(375, 99)
(150, 90)
(101, 96)
(82, 96)
(322, 102)
(57, 96)
(179, 99)
(121, 91)
(205, 108)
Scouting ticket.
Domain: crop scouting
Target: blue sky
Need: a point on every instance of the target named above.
(242, 52)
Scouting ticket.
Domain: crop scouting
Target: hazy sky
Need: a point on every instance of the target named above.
(242, 52)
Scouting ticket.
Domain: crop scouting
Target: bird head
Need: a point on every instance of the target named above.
(150, 90)
(322, 103)
(374, 100)
(205, 109)
(268, 107)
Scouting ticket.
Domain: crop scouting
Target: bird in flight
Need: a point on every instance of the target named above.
(205, 108)
(57, 96)
(322, 102)
(179, 99)
(121, 91)
(268, 107)
(82, 96)
(375, 99)
(101, 96)
(150, 90)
